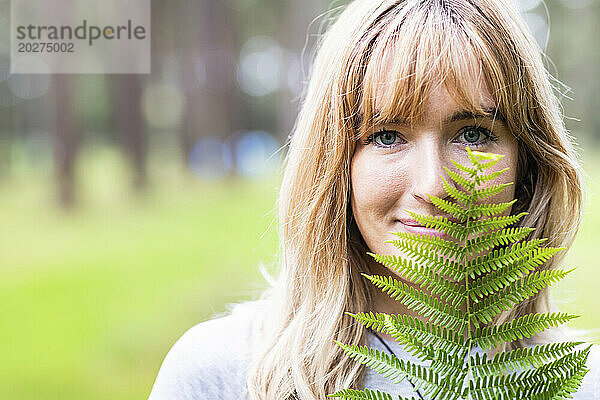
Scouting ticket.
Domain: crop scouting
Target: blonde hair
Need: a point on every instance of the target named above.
(322, 251)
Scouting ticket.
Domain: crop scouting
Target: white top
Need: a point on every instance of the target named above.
(210, 360)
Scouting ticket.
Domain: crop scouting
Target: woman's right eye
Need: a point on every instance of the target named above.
(384, 138)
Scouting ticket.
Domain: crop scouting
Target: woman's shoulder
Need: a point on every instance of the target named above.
(590, 387)
(210, 360)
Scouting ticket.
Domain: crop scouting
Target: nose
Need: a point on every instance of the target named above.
(429, 163)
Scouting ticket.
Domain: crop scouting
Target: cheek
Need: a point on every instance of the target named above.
(376, 187)
(371, 192)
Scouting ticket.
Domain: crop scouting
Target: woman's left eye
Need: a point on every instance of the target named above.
(475, 135)
(385, 138)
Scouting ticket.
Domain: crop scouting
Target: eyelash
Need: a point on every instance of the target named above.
(371, 137)
(489, 136)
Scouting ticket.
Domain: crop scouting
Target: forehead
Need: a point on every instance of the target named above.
(439, 101)
(413, 70)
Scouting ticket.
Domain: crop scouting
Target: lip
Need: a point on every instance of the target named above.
(412, 226)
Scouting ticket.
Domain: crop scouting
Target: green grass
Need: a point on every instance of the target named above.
(92, 300)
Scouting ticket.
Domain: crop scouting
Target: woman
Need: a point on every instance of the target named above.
(398, 89)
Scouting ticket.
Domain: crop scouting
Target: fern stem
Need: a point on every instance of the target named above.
(468, 205)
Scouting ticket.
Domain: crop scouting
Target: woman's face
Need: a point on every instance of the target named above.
(395, 169)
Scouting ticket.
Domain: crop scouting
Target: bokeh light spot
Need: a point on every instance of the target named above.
(163, 105)
(210, 159)
(23, 83)
(261, 63)
(538, 27)
(528, 5)
(256, 154)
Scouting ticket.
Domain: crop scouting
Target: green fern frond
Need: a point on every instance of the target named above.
(416, 341)
(489, 210)
(437, 311)
(443, 247)
(488, 241)
(383, 323)
(460, 180)
(564, 365)
(520, 358)
(496, 281)
(448, 340)
(485, 311)
(387, 365)
(457, 231)
(525, 327)
(450, 208)
(505, 266)
(481, 179)
(438, 284)
(482, 194)
(470, 171)
(367, 394)
(428, 258)
(477, 157)
(509, 262)
(461, 286)
(526, 384)
(433, 385)
(494, 223)
(456, 194)
(448, 365)
(500, 386)
(540, 256)
(562, 388)
(397, 370)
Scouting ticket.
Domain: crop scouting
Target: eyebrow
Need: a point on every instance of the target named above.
(463, 115)
(488, 113)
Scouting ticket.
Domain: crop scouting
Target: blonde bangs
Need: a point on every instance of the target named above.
(414, 56)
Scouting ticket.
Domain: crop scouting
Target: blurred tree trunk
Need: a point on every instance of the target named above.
(66, 133)
(573, 49)
(6, 135)
(298, 33)
(208, 64)
(130, 125)
(188, 11)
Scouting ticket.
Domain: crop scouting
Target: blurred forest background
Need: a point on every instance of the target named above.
(135, 206)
